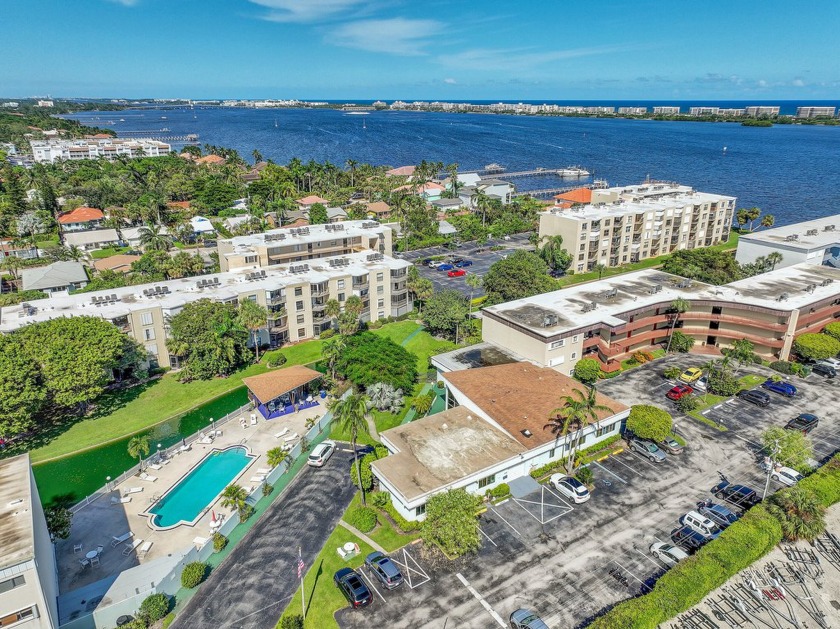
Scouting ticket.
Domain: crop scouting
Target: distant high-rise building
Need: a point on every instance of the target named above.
(815, 112)
(667, 111)
(632, 111)
(49, 151)
(756, 111)
(704, 111)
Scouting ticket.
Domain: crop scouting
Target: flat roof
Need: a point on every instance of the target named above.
(442, 449)
(17, 537)
(569, 309)
(315, 233)
(474, 356)
(624, 207)
(181, 291)
(521, 397)
(819, 233)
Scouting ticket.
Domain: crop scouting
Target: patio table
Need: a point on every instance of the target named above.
(91, 554)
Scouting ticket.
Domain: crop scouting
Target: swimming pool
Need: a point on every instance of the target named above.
(187, 499)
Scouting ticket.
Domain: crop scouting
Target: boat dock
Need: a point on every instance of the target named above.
(570, 172)
(160, 135)
(547, 193)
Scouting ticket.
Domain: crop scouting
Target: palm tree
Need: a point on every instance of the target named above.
(600, 268)
(152, 238)
(474, 281)
(774, 257)
(576, 413)
(331, 351)
(799, 512)
(481, 202)
(254, 317)
(423, 290)
(234, 496)
(349, 415)
(351, 166)
(332, 309)
(768, 220)
(423, 404)
(257, 156)
(139, 446)
(678, 306)
(752, 215)
(551, 251)
(276, 456)
(454, 184)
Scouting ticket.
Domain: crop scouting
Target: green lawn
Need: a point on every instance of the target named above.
(108, 252)
(398, 331)
(384, 534)
(424, 346)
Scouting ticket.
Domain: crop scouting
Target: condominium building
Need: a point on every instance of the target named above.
(611, 319)
(628, 224)
(816, 241)
(666, 111)
(49, 151)
(295, 296)
(28, 577)
(757, 111)
(285, 245)
(815, 112)
(703, 111)
(633, 111)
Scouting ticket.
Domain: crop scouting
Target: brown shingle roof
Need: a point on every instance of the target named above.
(273, 384)
(121, 263)
(210, 159)
(378, 207)
(521, 396)
(312, 199)
(81, 215)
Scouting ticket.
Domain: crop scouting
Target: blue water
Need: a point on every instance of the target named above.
(193, 493)
(791, 171)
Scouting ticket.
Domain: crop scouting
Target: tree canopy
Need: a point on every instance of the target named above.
(444, 311)
(812, 346)
(368, 359)
(209, 339)
(521, 274)
(452, 522)
(704, 265)
(649, 422)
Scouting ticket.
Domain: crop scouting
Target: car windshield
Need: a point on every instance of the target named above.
(651, 447)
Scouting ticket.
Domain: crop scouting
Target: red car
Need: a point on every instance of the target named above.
(457, 273)
(679, 392)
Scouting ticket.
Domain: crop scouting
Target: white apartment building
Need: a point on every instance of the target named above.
(703, 111)
(28, 577)
(298, 244)
(815, 112)
(628, 224)
(295, 296)
(815, 242)
(666, 110)
(46, 103)
(49, 151)
(633, 111)
(757, 111)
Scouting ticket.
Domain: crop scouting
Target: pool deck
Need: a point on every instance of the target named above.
(98, 523)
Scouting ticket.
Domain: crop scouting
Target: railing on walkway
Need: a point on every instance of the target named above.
(109, 487)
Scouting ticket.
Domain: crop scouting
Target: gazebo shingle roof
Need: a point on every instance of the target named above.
(273, 384)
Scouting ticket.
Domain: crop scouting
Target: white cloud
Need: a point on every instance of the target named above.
(450, 81)
(762, 83)
(498, 59)
(126, 3)
(302, 10)
(399, 36)
(798, 83)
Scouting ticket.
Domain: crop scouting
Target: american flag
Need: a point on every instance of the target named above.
(300, 565)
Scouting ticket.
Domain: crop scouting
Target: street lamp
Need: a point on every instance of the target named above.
(213, 423)
(770, 464)
(108, 483)
(158, 454)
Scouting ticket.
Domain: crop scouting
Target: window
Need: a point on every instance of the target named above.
(380, 289)
(601, 431)
(301, 332)
(551, 453)
(581, 257)
(340, 284)
(250, 259)
(153, 350)
(574, 355)
(252, 298)
(381, 314)
(557, 344)
(23, 614)
(146, 318)
(574, 338)
(421, 510)
(300, 319)
(487, 480)
(380, 303)
(299, 305)
(584, 225)
(583, 247)
(149, 334)
(298, 291)
(341, 297)
(11, 584)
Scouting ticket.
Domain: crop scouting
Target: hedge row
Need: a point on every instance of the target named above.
(581, 454)
(738, 547)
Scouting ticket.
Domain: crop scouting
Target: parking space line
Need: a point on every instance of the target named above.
(628, 572)
(625, 465)
(650, 559)
(753, 443)
(645, 459)
(505, 521)
(370, 582)
(489, 539)
(481, 600)
(609, 472)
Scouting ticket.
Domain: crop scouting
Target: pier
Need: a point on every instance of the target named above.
(160, 135)
(545, 193)
(571, 171)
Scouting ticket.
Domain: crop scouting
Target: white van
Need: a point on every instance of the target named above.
(700, 524)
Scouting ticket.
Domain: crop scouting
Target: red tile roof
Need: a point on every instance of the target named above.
(581, 195)
(184, 205)
(81, 215)
(402, 171)
(210, 159)
(311, 199)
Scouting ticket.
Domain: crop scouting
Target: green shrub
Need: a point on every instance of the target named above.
(275, 359)
(642, 357)
(267, 489)
(650, 422)
(154, 607)
(326, 334)
(380, 499)
(722, 382)
(825, 482)
(587, 370)
(681, 342)
(363, 518)
(782, 366)
(585, 475)
(816, 346)
(406, 526)
(219, 542)
(375, 325)
(606, 375)
(368, 359)
(245, 512)
(672, 373)
(687, 404)
(499, 491)
(291, 622)
(452, 523)
(168, 620)
(833, 330)
(193, 574)
(582, 455)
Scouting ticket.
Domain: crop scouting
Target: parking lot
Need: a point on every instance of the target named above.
(568, 562)
(481, 257)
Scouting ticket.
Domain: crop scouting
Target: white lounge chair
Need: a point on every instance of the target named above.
(282, 433)
(218, 433)
(99, 550)
(206, 440)
(131, 547)
(144, 548)
(147, 477)
(132, 490)
(291, 438)
(119, 539)
(264, 471)
(184, 448)
(257, 479)
(200, 541)
(154, 466)
(117, 501)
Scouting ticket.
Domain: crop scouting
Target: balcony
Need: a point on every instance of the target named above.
(398, 287)
(278, 324)
(594, 235)
(279, 300)
(316, 290)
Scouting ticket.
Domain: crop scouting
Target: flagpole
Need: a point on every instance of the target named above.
(302, 591)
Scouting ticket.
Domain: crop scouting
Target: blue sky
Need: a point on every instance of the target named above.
(366, 49)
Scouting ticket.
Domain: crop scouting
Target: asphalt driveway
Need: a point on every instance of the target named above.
(254, 584)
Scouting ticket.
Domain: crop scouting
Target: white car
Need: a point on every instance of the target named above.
(831, 362)
(786, 476)
(570, 487)
(668, 554)
(321, 454)
(701, 384)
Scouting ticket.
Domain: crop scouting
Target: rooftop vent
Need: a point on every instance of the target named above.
(826, 282)
(655, 289)
(828, 228)
(273, 237)
(375, 257)
(612, 293)
(792, 237)
(812, 232)
(549, 320)
(810, 288)
(783, 297)
(590, 306)
(686, 283)
(526, 432)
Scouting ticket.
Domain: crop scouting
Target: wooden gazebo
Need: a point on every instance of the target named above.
(283, 391)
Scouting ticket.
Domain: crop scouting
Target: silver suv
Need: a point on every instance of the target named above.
(647, 448)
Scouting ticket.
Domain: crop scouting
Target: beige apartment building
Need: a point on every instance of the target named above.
(28, 578)
(628, 224)
(295, 296)
(612, 318)
(297, 244)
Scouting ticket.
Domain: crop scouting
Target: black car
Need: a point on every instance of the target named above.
(754, 396)
(738, 495)
(384, 569)
(688, 538)
(804, 423)
(824, 370)
(353, 588)
(718, 514)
